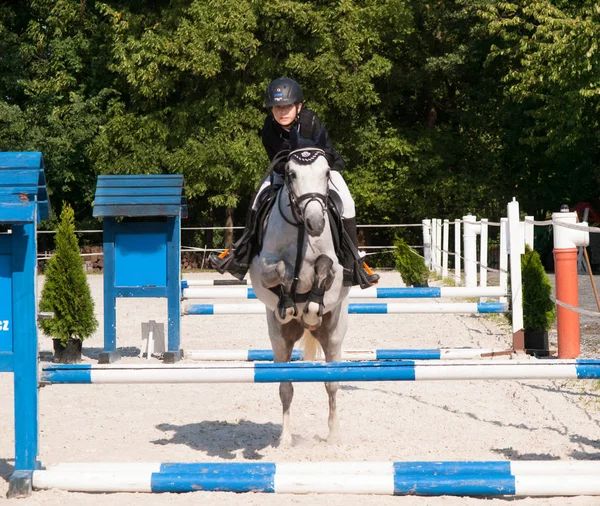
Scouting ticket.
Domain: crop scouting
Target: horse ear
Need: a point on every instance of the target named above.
(321, 139)
(295, 139)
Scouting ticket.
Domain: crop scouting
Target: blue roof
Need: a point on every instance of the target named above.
(144, 195)
(23, 188)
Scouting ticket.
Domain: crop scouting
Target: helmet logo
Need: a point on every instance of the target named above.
(278, 95)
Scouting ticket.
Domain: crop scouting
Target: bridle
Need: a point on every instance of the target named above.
(304, 156)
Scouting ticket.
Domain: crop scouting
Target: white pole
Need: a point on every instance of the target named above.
(457, 252)
(427, 242)
(434, 244)
(445, 252)
(438, 223)
(470, 238)
(516, 249)
(483, 254)
(528, 231)
(503, 256)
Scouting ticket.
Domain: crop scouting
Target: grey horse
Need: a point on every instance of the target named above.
(297, 274)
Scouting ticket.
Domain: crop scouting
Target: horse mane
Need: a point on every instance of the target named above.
(299, 142)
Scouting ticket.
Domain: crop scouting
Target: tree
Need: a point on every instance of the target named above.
(66, 292)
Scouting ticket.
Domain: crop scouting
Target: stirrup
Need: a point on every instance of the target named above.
(372, 277)
(220, 262)
(225, 262)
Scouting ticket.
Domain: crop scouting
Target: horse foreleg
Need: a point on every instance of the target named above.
(331, 335)
(333, 421)
(282, 342)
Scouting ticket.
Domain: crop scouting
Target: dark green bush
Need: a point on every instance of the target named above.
(410, 264)
(66, 291)
(539, 312)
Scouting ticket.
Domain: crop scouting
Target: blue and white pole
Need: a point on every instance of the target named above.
(361, 308)
(469, 478)
(356, 292)
(260, 372)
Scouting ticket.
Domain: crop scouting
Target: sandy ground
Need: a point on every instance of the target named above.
(380, 421)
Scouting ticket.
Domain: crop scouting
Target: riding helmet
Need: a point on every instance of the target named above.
(283, 91)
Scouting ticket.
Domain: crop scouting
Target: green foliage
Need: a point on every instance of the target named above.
(66, 292)
(439, 108)
(539, 312)
(410, 264)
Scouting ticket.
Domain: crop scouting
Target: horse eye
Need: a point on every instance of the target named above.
(293, 175)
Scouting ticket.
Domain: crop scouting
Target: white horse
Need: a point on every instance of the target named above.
(297, 274)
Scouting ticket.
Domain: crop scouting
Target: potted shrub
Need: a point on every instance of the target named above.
(410, 264)
(66, 294)
(539, 312)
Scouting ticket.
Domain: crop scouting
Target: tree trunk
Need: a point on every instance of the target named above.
(229, 227)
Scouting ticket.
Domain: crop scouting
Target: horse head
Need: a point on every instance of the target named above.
(307, 180)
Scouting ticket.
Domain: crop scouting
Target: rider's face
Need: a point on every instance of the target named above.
(285, 114)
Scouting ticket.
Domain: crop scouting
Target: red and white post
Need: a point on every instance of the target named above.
(566, 241)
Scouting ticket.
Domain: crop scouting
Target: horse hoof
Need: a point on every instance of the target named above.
(286, 440)
(333, 438)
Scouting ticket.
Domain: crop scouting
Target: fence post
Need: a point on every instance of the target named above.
(483, 254)
(470, 239)
(445, 249)
(503, 256)
(566, 241)
(516, 248)
(427, 242)
(457, 252)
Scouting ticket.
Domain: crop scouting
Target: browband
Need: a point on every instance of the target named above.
(305, 156)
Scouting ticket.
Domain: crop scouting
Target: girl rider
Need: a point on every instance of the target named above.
(283, 98)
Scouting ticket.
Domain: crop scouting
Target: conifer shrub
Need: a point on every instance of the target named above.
(539, 312)
(66, 292)
(410, 264)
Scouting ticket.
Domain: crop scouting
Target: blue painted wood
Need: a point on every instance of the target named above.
(110, 308)
(169, 191)
(140, 291)
(141, 254)
(7, 361)
(143, 258)
(22, 176)
(20, 159)
(146, 180)
(25, 346)
(142, 195)
(173, 283)
(140, 211)
(17, 212)
(6, 294)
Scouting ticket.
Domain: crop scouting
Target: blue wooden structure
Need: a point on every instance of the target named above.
(23, 203)
(141, 243)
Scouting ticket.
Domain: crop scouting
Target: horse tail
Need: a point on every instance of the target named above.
(311, 347)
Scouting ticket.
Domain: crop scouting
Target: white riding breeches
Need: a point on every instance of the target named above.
(336, 184)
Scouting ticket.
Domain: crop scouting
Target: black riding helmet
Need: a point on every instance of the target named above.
(283, 91)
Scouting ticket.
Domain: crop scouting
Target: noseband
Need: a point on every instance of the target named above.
(303, 156)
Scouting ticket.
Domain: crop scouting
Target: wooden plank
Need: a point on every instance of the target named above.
(137, 200)
(127, 193)
(175, 180)
(23, 212)
(19, 177)
(101, 211)
(21, 159)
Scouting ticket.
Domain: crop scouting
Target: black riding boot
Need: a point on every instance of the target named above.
(237, 262)
(356, 272)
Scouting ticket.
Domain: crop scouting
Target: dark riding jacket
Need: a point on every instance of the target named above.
(275, 138)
